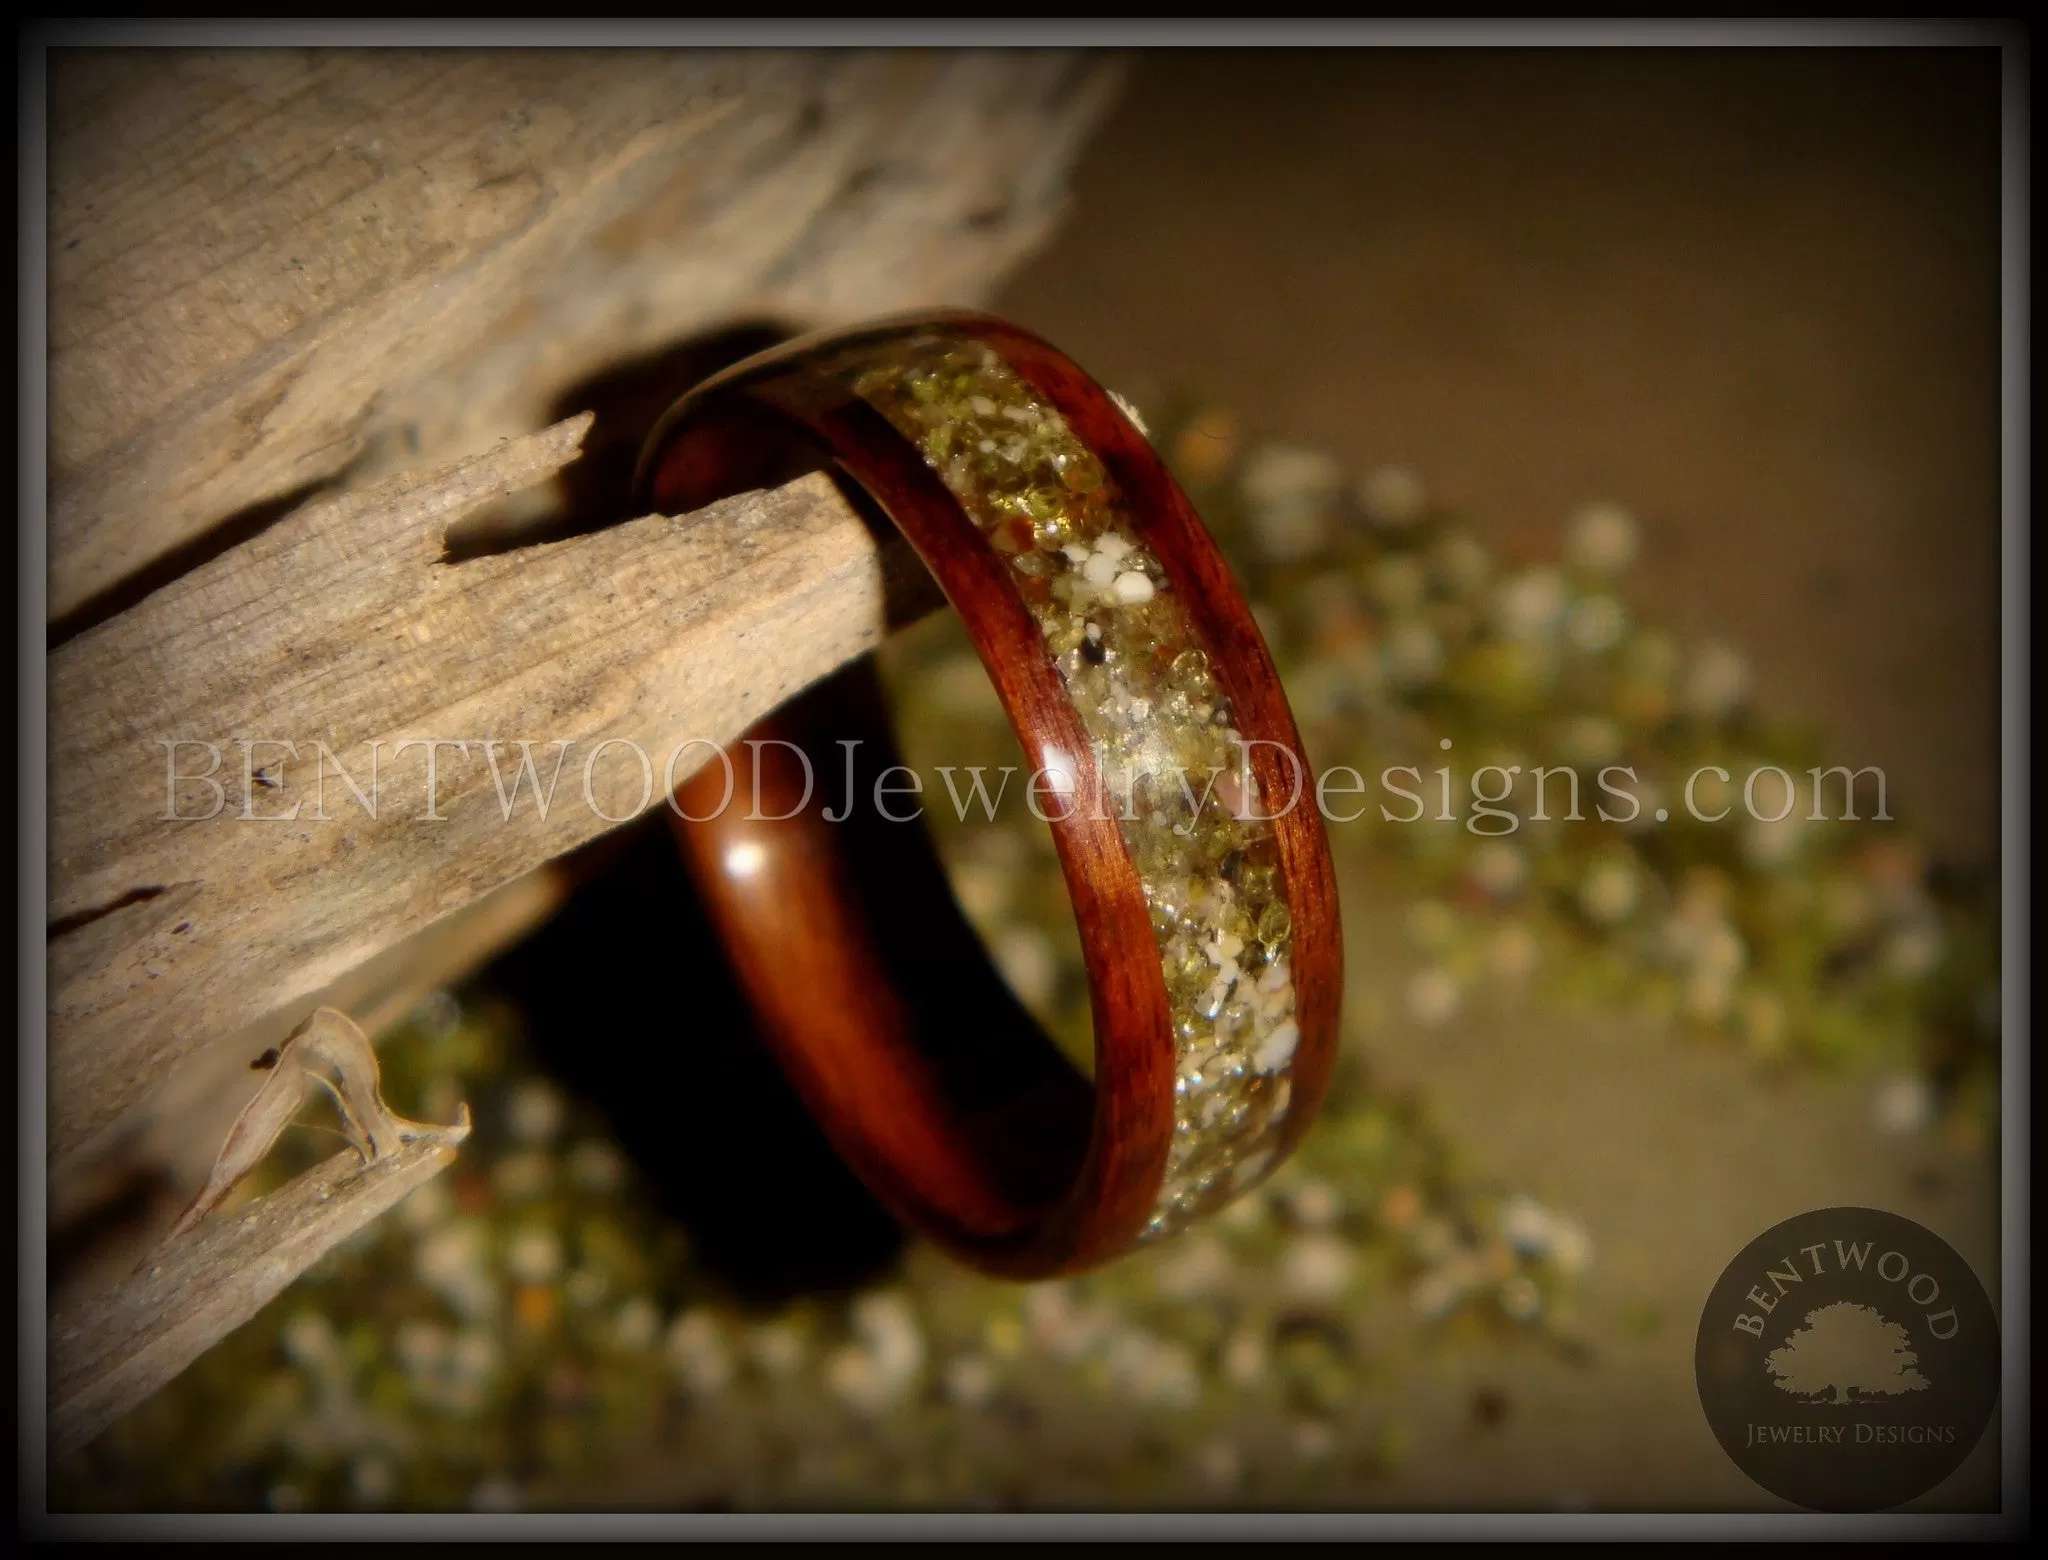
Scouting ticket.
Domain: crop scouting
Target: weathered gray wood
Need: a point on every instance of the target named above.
(343, 625)
(176, 1128)
(115, 1350)
(349, 273)
(268, 267)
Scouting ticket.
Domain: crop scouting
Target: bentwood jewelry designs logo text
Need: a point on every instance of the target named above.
(282, 780)
(1848, 1360)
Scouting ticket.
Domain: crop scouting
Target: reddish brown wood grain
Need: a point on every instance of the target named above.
(1243, 666)
(924, 1071)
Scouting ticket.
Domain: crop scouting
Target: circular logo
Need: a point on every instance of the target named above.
(1848, 1360)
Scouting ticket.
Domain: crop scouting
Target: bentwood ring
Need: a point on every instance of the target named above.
(1120, 646)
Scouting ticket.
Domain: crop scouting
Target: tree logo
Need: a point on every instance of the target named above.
(1845, 1349)
(1848, 1361)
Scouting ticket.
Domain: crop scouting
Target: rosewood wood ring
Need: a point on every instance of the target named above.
(1180, 803)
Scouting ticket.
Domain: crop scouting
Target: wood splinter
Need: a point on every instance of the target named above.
(209, 1276)
(328, 1039)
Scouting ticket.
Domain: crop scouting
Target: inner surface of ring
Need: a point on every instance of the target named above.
(874, 988)
(1188, 807)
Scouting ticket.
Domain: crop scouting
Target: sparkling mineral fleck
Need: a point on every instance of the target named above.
(1772, 842)
(309, 1340)
(1413, 652)
(1132, 587)
(1601, 539)
(1461, 562)
(1277, 474)
(586, 1287)
(520, 1177)
(1277, 1049)
(1708, 995)
(426, 1205)
(854, 1377)
(778, 1348)
(1244, 1357)
(1571, 1248)
(1316, 1267)
(453, 1261)
(1400, 1207)
(1437, 1292)
(1497, 868)
(534, 1255)
(1904, 1105)
(1151, 1370)
(1588, 741)
(1915, 949)
(1432, 996)
(1596, 623)
(422, 1345)
(1399, 582)
(1530, 605)
(1609, 892)
(1764, 1026)
(971, 1380)
(1392, 497)
(1316, 1205)
(636, 1324)
(697, 1351)
(1200, 1267)
(1512, 953)
(1716, 681)
(535, 1112)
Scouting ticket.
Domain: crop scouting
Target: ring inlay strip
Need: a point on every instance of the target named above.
(1139, 677)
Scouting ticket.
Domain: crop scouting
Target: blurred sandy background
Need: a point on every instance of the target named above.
(1754, 297)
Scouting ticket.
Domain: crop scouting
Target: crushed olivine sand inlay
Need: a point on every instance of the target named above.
(1163, 737)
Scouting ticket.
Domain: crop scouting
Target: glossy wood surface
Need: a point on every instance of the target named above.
(889, 1018)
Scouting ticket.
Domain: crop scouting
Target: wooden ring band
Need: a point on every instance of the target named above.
(1120, 645)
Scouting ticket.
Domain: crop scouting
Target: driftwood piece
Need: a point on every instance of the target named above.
(330, 1054)
(268, 268)
(171, 1137)
(343, 625)
(361, 278)
(116, 1350)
